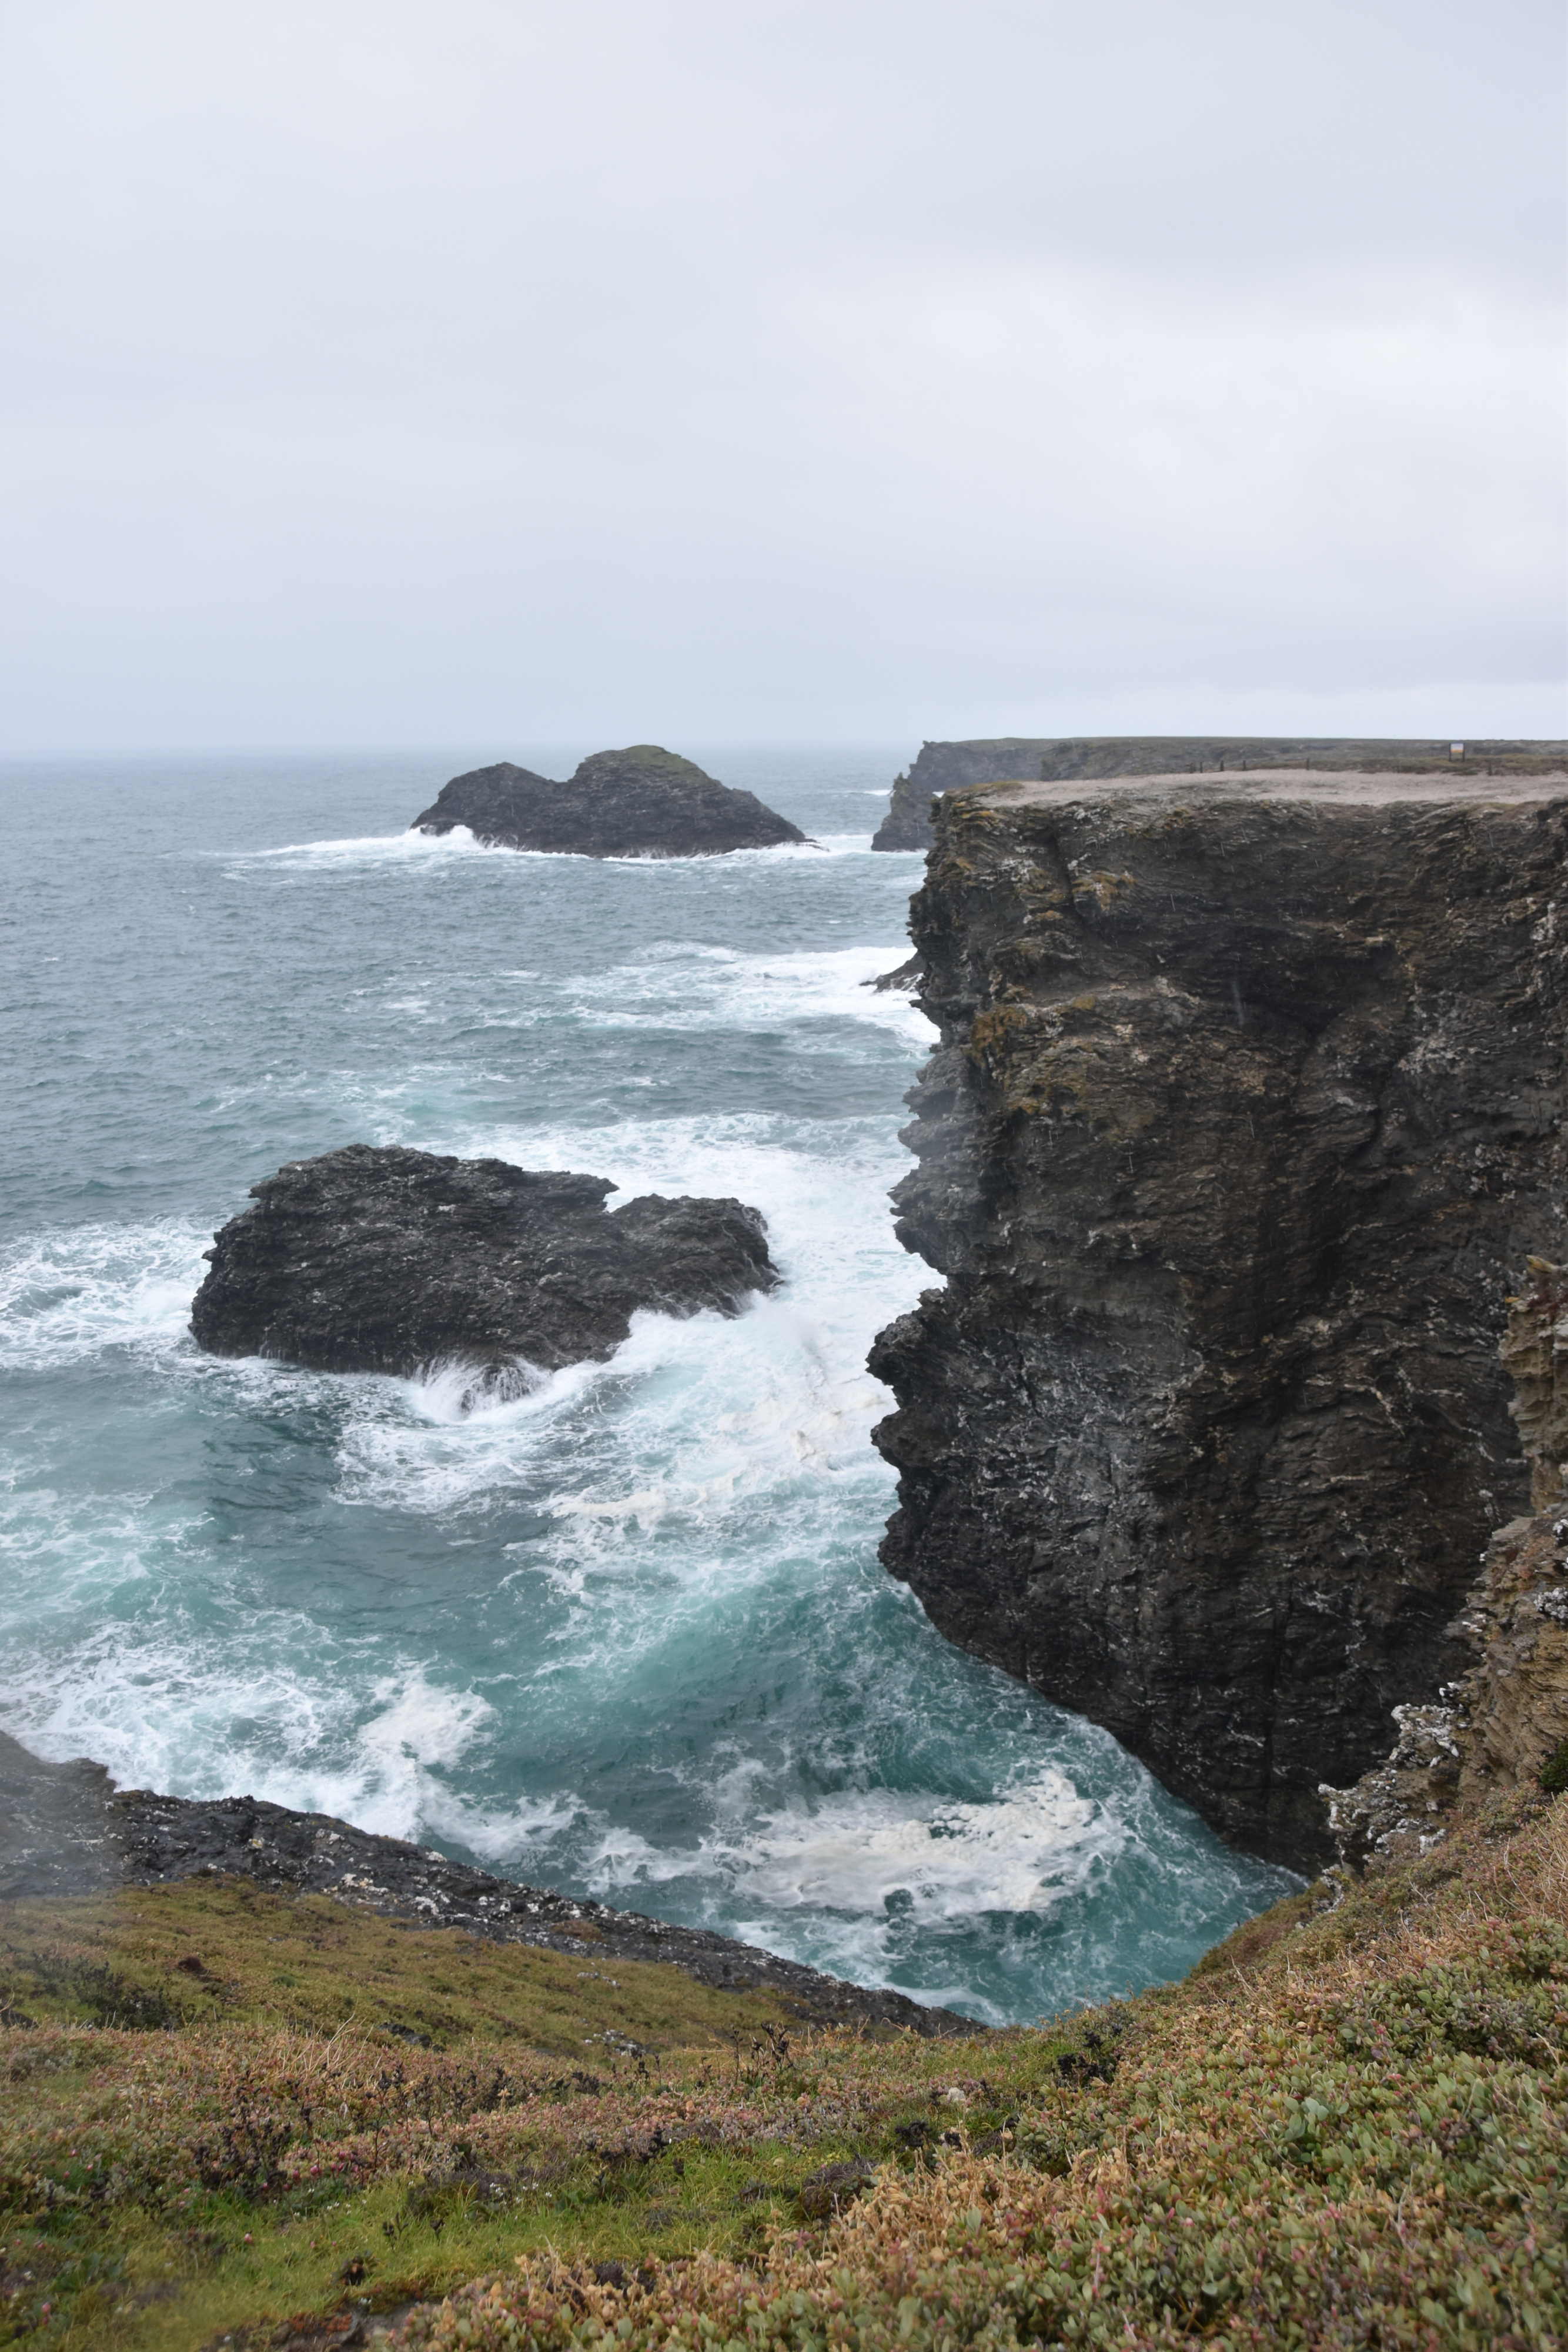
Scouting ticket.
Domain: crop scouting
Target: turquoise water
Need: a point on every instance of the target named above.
(626, 1635)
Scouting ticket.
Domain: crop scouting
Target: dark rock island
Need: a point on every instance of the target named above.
(641, 802)
(1247, 1114)
(1048, 758)
(386, 1260)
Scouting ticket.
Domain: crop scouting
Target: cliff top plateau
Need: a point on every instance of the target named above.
(949, 767)
(1349, 787)
(1247, 1111)
(388, 1260)
(643, 802)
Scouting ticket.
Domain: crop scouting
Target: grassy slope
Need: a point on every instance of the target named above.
(1346, 2128)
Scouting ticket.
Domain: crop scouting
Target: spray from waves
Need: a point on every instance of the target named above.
(721, 989)
(411, 847)
(914, 1856)
(188, 1713)
(67, 1295)
(712, 1410)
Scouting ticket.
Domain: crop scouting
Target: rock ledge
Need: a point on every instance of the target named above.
(66, 1830)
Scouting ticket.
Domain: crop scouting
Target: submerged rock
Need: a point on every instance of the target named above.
(1053, 759)
(643, 802)
(1248, 1103)
(387, 1260)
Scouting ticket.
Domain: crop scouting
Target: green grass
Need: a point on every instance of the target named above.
(201, 1953)
(1346, 2128)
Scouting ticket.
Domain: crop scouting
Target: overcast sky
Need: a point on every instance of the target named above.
(419, 372)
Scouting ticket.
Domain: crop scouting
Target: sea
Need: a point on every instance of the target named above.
(626, 1635)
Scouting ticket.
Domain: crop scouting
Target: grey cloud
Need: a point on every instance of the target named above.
(383, 372)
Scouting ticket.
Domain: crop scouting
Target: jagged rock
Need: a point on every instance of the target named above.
(1535, 1351)
(1399, 1810)
(66, 1830)
(387, 1260)
(643, 802)
(1248, 1103)
(948, 767)
(903, 979)
(1506, 1717)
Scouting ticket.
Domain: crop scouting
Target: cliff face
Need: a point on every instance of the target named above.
(1503, 1724)
(1245, 1111)
(948, 767)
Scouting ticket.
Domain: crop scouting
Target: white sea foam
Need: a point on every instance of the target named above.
(412, 846)
(864, 1850)
(67, 1295)
(720, 988)
(195, 1719)
(618, 1625)
(406, 848)
(721, 1408)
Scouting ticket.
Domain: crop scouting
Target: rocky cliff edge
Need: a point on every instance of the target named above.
(1245, 1116)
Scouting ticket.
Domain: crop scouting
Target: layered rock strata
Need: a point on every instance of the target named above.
(948, 767)
(387, 1260)
(643, 802)
(1246, 1106)
(1503, 1724)
(66, 1830)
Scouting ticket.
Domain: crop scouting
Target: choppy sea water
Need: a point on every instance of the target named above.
(626, 1635)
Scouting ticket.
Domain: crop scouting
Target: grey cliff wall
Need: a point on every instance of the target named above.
(948, 767)
(1244, 1119)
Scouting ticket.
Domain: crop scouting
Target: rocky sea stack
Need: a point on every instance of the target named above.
(643, 802)
(1056, 759)
(386, 1260)
(1247, 1112)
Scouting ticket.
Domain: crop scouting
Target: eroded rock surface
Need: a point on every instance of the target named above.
(1505, 1718)
(643, 802)
(1246, 1110)
(66, 1829)
(387, 1260)
(949, 767)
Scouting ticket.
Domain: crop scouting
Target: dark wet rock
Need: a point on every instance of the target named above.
(1246, 1112)
(643, 802)
(1502, 1726)
(951, 767)
(386, 1260)
(903, 979)
(64, 1829)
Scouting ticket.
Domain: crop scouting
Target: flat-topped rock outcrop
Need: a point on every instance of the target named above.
(1247, 1113)
(387, 1260)
(643, 802)
(949, 767)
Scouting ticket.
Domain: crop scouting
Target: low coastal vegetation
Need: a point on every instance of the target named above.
(237, 2120)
